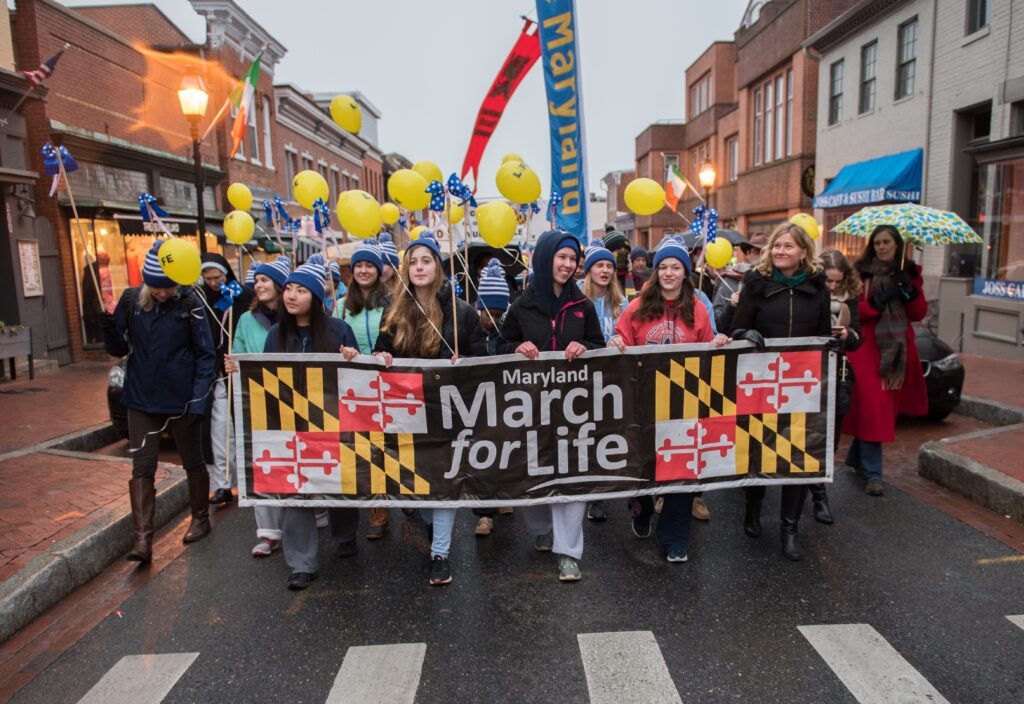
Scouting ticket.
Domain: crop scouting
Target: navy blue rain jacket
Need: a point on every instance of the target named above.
(171, 360)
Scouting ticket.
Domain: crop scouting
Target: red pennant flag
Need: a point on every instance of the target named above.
(522, 57)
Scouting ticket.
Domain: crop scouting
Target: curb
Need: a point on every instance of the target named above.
(991, 412)
(982, 485)
(72, 562)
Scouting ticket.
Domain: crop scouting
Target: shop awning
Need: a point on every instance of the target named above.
(895, 178)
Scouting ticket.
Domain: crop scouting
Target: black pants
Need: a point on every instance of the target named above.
(144, 438)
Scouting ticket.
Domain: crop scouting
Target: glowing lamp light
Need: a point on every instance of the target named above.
(707, 175)
(193, 97)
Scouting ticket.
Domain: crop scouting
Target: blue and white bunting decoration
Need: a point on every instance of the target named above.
(700, 213)
(228, 293)
(148, 208)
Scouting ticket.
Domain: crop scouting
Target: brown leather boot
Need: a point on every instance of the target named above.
(199, 500)
(378, 523)
(143, 499)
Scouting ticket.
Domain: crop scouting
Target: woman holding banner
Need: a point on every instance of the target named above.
(162, 329)
(666, 313)
(783, 296)
(251, 336)
(553, 314)
(363, 307)
(424, 320)
(304, 326)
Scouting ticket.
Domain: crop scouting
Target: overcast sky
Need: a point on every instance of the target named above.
(426, 66)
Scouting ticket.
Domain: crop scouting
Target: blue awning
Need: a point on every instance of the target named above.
(895, 178)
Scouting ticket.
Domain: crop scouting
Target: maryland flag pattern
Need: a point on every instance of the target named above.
(690, 391)
(300, 399)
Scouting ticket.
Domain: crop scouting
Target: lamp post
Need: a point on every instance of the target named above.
(707, 176)
(193, 98)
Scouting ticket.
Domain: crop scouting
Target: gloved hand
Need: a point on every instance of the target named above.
(880, 297)
(751, 336)
(834, 344)
(107, 322)
(905, 287)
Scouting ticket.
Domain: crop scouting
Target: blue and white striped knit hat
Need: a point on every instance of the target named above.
(673, 247)
(424, 240)
(152, 273)
(277, 270)
(389, 254)
(312, 275)
(250, 276)
(335, 271)
(368, 251)
(493, 288)
(596, 253)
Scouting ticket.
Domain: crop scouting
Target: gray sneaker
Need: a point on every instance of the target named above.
(543, 542)
(568, 570)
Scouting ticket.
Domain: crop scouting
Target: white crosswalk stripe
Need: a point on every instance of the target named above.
(389, 674)
(873, 671)
(626, 668)
(140, 679)
(1017, 620)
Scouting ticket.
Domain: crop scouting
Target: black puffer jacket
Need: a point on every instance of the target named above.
(526, 321)
(775, 310)
(472, 338)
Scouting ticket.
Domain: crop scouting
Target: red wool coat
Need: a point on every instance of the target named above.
(873, 410)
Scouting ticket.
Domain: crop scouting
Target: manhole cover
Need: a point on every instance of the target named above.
(23, 390)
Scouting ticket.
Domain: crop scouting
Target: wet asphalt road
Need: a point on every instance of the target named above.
(506, 630)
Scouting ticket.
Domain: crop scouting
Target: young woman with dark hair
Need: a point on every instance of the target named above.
(888, 369)
(304, 326)
(422, 321)
(666, 313)
(552, 314)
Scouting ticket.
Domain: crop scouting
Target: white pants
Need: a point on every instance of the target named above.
(564, 520)
(218, 430)
(269, 520)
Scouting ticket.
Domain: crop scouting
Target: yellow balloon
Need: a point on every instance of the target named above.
(497, 222)
(458, 212)
(239, 226)
(416, 232)
(644, 196)
(389, 213)
(240, 196)
(180, 261)
(718, 253)
(428, 170)
(346, 113)
(359, 213)
(518, 182)
(511, 156)
(408, 189)
(307, 186)
(807, 223)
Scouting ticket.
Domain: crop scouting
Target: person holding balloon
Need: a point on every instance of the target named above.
(601, 285)
(426, 320)
(303, 326)
(251, 337)
(784, 295)
(363, 308)
(161, 327)
(554, 315)
(667, 312)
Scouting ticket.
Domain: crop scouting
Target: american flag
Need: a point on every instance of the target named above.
(44, 71)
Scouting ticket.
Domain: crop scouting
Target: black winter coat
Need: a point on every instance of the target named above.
(340, 335)
(526, 321)
(775, 310)
(170, 354)
(472, 338)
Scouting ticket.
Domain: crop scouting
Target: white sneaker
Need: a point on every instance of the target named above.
(569, 570)
(265, 547)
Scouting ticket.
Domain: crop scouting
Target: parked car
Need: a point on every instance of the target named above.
(115, 384)
(943, 373)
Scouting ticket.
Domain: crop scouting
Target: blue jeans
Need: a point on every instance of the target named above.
(443, 520)
(867, 457)
(674, 523)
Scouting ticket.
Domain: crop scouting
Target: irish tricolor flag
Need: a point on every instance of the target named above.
(241, 98)
(675, 188)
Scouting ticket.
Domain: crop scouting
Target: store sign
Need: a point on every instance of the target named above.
(994, 288)
(132, 226)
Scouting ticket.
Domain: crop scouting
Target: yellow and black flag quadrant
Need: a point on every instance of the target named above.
(697, 387)
(377, 463)
(779, 444)
(295, 398)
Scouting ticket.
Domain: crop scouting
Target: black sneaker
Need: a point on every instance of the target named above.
(221, 496)
(346, 549)
(642, 527)
(596, 512)
(301, 580)
(440, 571)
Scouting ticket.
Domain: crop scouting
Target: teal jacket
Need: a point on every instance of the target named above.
(365, 324)
(250, 334)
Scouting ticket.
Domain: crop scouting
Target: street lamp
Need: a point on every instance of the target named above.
(707, 176)
(193, 98)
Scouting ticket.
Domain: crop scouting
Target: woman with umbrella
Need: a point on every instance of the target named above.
(886, 365)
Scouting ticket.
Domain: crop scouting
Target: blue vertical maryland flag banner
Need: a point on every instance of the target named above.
(499, 431)
(560, 56)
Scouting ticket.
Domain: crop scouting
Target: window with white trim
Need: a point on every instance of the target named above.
(906, 59)
(835, 92)
(268, 141)
(757, 127)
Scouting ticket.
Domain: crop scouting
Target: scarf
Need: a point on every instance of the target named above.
(891, 329)
(789, 281)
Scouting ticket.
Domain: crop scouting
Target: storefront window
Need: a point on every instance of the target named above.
(1003, 256)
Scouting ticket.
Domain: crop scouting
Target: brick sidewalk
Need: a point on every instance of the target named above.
(997, 380)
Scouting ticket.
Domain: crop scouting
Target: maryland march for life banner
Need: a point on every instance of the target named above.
(313, 430)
